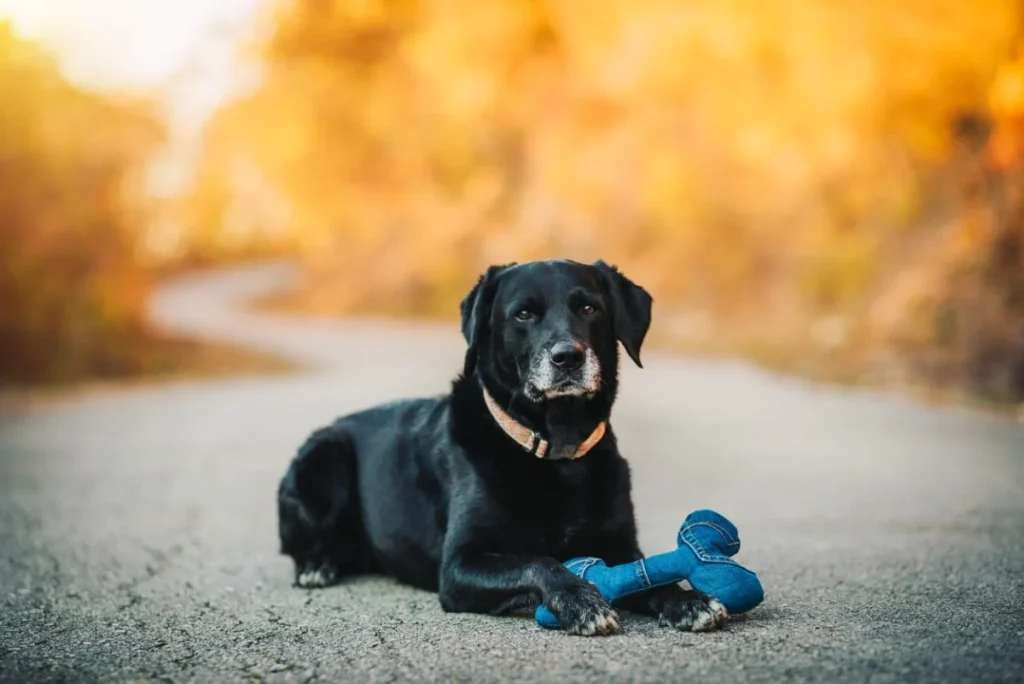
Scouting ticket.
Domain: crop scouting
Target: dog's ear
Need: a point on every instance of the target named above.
(476, 313)
(631, 309)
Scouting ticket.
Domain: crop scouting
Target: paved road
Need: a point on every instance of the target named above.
(137, 528)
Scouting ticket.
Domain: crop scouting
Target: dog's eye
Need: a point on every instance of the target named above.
(588, 310)
(524, 315)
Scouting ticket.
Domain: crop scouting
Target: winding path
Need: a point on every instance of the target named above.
(138, 540)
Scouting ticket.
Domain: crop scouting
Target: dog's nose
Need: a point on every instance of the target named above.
(567, 355)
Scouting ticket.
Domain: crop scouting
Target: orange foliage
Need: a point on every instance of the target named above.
(71, 293)
(963, 302)
(765, 168)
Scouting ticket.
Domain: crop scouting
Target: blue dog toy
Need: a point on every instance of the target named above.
(706, 543)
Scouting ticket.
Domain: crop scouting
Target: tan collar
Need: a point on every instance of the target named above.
(530, 440)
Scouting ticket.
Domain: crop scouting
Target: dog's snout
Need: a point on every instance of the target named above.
(567, 355)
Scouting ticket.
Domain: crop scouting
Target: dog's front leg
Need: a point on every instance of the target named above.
(491, 583)
(674, 606)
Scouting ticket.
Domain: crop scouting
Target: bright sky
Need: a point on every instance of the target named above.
(180, 50)
(181, 45)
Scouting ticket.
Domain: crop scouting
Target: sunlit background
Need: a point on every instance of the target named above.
(835, 188)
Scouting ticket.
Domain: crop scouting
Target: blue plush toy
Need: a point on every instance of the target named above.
(706, 543)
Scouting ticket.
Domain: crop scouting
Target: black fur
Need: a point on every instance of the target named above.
(434, 493)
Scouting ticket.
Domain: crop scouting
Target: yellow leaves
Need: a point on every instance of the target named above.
(738, 153)
(835, 275)
(1006, 104)
(669, 193)
(1006, 96)
(72, 177)
(465, 53)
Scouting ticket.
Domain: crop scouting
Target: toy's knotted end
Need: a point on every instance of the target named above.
(712, 530)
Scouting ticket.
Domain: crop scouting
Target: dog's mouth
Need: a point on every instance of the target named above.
(545, 382)
(568, 388)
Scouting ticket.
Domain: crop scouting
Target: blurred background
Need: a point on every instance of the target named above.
(835, 189)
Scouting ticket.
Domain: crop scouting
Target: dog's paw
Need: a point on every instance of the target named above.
(582, 610)
(316, 576)
(693, 613)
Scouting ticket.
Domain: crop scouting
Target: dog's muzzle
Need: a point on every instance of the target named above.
(566, 369)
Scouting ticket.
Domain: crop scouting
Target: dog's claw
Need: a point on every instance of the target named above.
(694, 614)
(317, 577)
(583, 611)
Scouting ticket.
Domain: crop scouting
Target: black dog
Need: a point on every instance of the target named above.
(480, 494)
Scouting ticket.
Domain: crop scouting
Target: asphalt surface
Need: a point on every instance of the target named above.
(138, 534)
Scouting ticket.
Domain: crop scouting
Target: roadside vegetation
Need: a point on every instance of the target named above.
(835, 189)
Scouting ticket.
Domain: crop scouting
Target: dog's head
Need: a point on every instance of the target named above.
(547, 330)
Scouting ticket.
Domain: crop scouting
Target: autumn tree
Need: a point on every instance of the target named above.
(772, 170)
(71, 189)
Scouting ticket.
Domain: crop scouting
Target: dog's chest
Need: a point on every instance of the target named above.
(570, 534)
(566, 527)
(561, 515)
